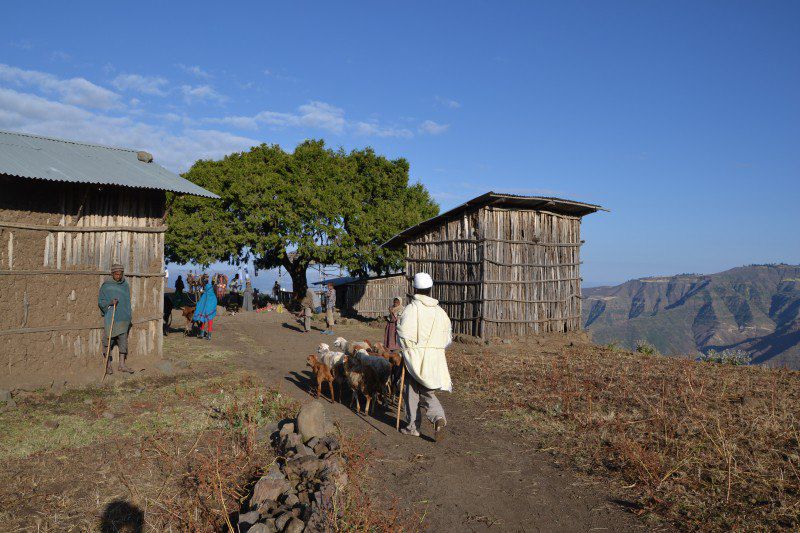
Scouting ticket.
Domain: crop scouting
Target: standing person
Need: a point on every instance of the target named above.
(424, 331)
(276, 291)
(390, 334)
(206, 309)
(330, 304)
(307, 303)
(247, 302)
(115, 292)
(179, 286)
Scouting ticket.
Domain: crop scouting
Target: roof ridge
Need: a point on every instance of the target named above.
(67, 141)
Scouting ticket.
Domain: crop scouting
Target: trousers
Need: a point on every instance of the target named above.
(120, 341)
(417, 397)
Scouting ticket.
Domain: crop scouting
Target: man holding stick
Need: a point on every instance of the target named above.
(424, 331)
(114, 301)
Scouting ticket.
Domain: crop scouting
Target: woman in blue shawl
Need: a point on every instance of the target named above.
(206, 310)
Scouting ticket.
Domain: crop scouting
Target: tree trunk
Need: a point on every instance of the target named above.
(297, 271)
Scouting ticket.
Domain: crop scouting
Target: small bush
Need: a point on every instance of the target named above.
(726, 357)
(642, 346)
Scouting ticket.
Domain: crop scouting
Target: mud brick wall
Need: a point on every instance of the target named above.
(57, 244)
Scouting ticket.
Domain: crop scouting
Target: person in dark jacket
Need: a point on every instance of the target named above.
(114, 301)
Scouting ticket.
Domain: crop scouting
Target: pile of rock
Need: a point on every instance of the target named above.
(297, 492)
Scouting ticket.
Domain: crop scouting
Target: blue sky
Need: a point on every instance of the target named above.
(683, 118)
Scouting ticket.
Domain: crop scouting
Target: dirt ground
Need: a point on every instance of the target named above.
(64, 476)
(479, 478)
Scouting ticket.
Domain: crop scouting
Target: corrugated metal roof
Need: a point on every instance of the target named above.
(32, 156)
(556, 205)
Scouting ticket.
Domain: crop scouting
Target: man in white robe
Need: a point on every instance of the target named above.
(424, 331)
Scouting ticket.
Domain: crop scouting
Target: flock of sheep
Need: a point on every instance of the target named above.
(368, 370)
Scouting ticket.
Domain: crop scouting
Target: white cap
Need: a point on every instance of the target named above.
(422, 280)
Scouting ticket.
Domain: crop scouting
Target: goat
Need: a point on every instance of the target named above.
(188, 314)
(350, 347)
(363, 380)
(322, 373)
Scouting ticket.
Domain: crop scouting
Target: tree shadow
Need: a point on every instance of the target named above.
(119, 516)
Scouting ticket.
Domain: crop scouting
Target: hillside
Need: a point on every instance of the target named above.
(753, 308)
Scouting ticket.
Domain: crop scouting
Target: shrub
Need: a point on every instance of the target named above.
(726, 357)
(642, 346)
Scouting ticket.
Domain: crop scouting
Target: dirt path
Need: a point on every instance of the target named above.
(475, 480)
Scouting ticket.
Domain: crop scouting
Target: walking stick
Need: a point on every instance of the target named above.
(400, 398)
(108, 351)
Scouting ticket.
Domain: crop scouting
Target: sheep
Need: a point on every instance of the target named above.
(350, 347)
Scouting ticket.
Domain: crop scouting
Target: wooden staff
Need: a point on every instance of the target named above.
(400, 398)
(108, 351)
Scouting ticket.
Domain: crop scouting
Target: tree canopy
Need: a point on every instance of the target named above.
(291, 209)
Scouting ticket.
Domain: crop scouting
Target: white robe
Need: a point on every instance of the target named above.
(424, 331)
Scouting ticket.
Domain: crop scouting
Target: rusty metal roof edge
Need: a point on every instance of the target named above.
(485, 199)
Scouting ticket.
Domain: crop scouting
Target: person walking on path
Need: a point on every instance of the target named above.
(247, 299)
(307, 303)
(390, 334)
(206, 310)
(330, 304)
(424, 331)
(114, 301)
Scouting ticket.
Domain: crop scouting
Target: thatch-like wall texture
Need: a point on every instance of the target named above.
(503, 265)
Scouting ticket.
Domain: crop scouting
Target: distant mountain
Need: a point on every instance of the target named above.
(753, 308)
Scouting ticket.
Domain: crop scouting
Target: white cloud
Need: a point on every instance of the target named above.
(194, 70)
(314, 114)
(195, 93)
(77, 91)
(59, 55)
(175, 150)
(144, 84)
(447, 102)
(433, 128)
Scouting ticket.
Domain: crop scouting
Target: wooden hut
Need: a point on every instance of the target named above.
(503, 265)
(367, 297)
(68, 210)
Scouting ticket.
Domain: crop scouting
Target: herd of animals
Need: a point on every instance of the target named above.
(368, 370)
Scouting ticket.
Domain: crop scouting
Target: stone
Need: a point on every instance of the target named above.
(295, 525)
(292, 441)
(88, 401)
(467, 339)
(182, 364)
(5, 395)
(331, 442)
(286, 428)
(282, 520)
(311, 421)
(269, 526)
(108, 415)
(305, 451)
(274, 473)
(506, 341)
(51, 424)
(249, 518)
(313, 442)
(260, 528)
(165, 366)
(268, 489)
(291, 500)
(265, 433)
(11, 403)
(320, 448)
(58, 387)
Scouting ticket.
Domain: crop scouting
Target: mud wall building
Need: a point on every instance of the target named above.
(503, 265)
(69, 210)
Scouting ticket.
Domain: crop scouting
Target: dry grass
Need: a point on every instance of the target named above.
(177, 455)
(705, 446)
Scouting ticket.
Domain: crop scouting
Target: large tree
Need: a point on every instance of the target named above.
(291, 209)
